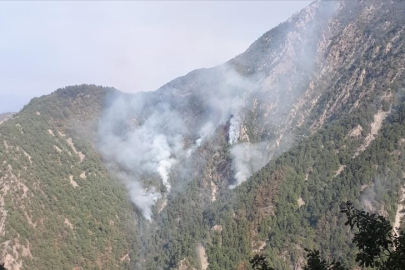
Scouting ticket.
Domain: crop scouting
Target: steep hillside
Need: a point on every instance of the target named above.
(254, 155)
(328, 82)
(59, 209)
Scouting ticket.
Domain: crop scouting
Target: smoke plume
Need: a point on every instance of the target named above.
(142, 148)
(234, 129)
(145, 135)
(247, 159)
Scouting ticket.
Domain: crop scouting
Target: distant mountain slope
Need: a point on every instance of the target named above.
(254, 155)
(5, 116)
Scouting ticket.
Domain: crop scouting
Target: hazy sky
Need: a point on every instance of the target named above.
(133, 46)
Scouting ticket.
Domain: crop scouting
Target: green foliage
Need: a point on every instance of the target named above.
(372, 239)
(91, 225)
(378, 247)
(315, 263)
(259, 262)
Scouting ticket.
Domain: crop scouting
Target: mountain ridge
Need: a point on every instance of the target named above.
(258, 153)
(5, 116)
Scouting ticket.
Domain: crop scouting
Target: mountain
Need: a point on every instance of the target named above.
(254, 155)
(5, 116)
(59, 208)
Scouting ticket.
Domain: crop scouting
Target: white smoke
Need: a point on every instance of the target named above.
(371, 198)
(142, 139)
(234, 129)
(247, 158)
(148, 148)
(162, 153)
(205, 132)
(145, 136)
(142, 198)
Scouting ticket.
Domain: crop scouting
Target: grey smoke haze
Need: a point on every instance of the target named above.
(372, 195)
(234, 129)
(148, 134)
(141, 149)
(147, 143)
(247, 158)
(131, 45)
(143, 198)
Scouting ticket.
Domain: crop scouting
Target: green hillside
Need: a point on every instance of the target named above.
(60, 210)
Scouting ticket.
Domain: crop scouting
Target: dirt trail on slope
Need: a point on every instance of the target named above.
(202, 256)
(399, 215)
(376, 125)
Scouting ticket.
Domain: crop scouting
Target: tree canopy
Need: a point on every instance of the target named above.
(379, 247)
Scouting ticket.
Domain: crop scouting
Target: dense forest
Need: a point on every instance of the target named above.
(378, 245)
(61, 209)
